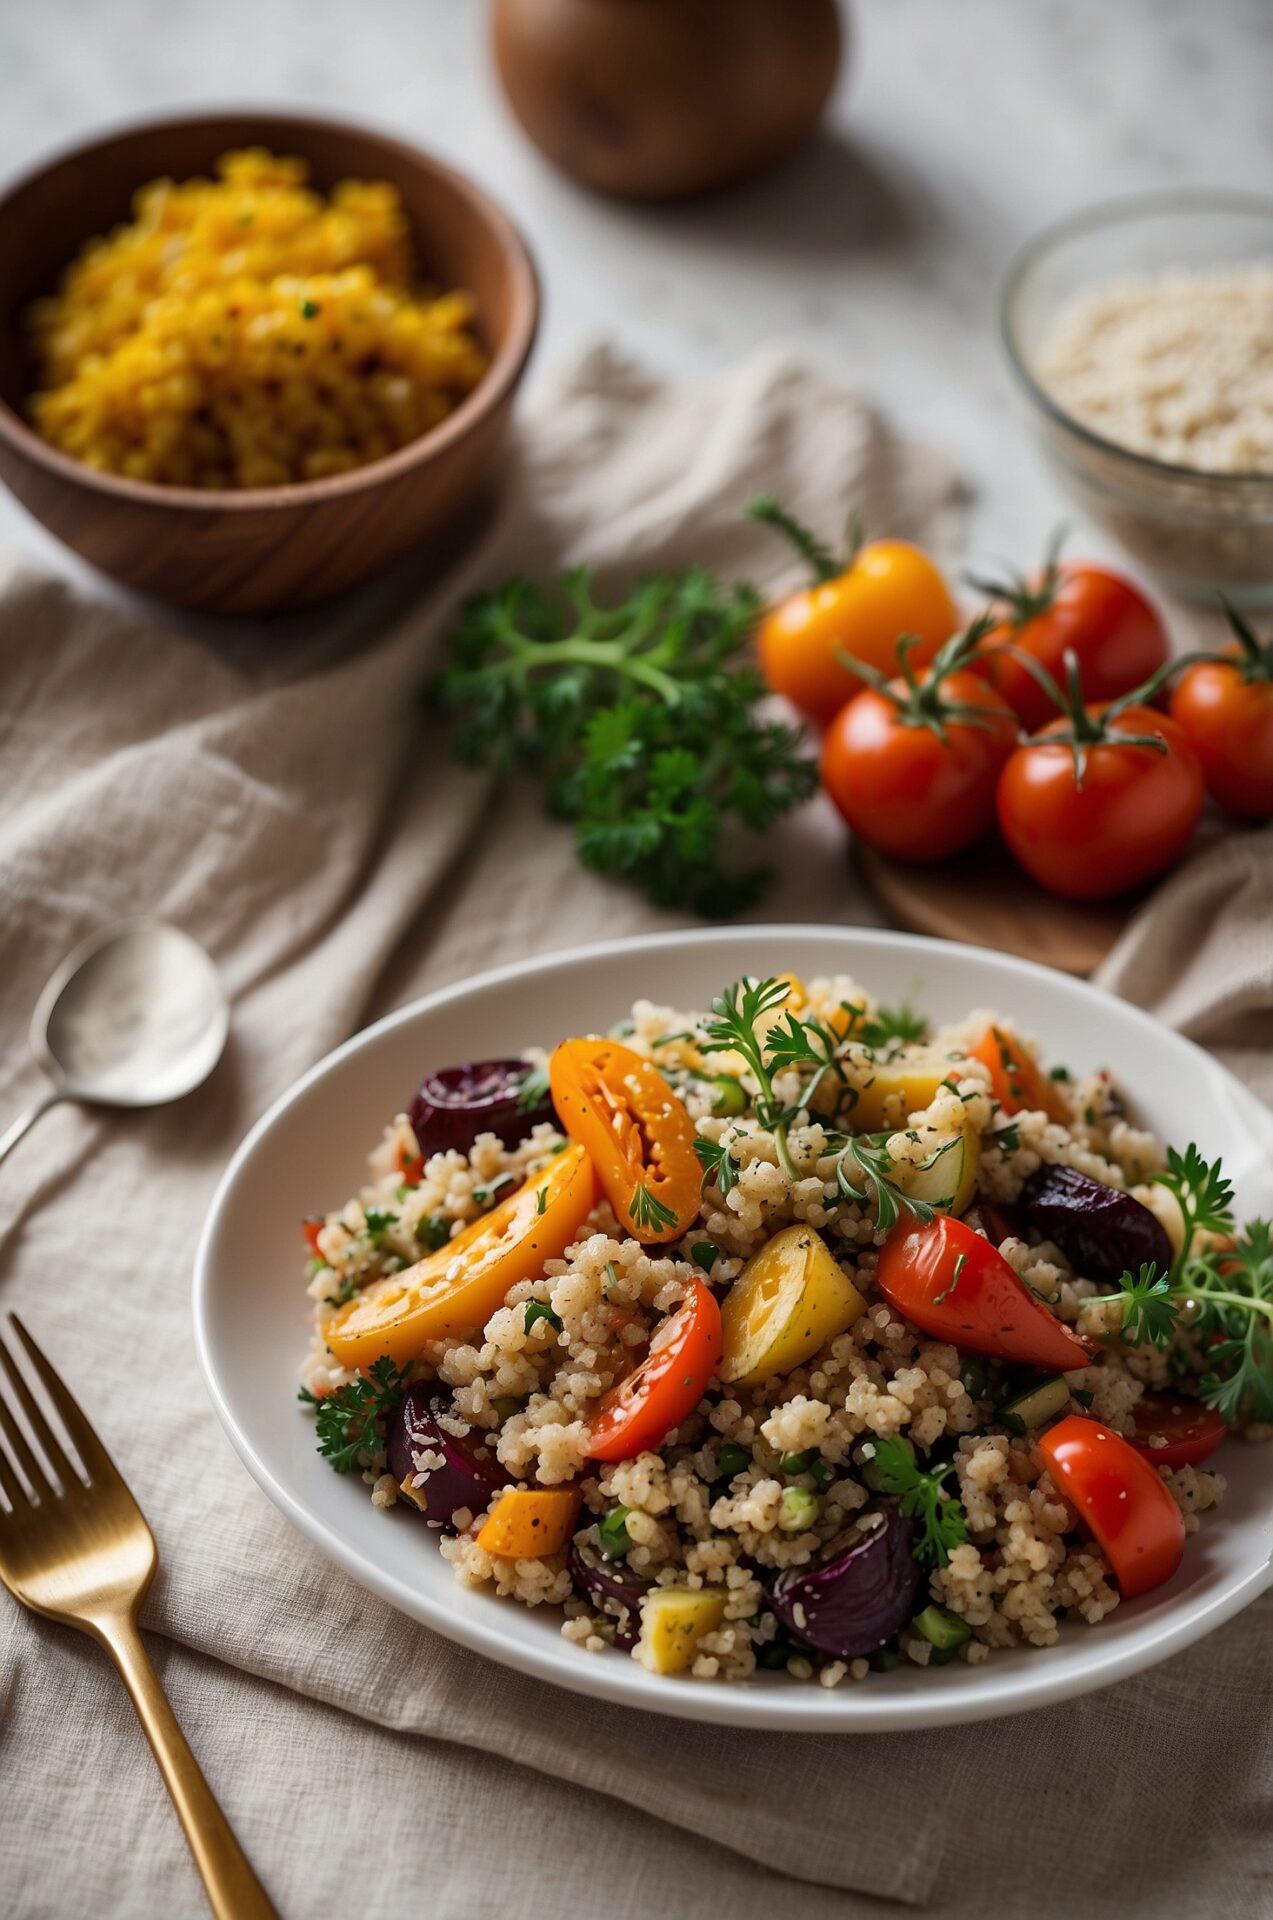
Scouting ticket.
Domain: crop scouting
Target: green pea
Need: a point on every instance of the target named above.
(729, 1097)
(731, 1460)
(798, 1462)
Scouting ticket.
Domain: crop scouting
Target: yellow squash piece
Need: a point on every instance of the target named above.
(789, 1300)
(458, 1288)
(673, 1621)
(946, 1177)
(530, 1523)
(898, 1088)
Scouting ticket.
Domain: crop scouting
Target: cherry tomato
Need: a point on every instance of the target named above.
(636, 1415)
(411, 1167)
(1187, 1432)
(311, 1227)
(1116, 1493)
(1116, 635)
(861, 607)
(1018, 1083)
(640, 1139)
(915, 789)
(458, 1288)
(1225, 709)
(1129, 817)
(951, 1283)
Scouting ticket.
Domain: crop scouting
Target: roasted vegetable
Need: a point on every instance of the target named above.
(468, 1473)
(1102, 1231)
(673, 1621)
(617, 1591)
(455, 1104)
(860, 1593)
(529, 1523)
(789, 1300)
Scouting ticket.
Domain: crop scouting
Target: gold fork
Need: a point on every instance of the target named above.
(82, 1553)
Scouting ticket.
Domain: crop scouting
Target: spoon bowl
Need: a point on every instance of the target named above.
(135, 1017)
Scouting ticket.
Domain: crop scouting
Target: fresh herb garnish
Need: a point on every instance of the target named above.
(537, 1310)
(864, 1171)
(704, 1255)
(348, 1419)
(639, 720)
(717, 1163)
(939, 1518)
(646, 1210)
(1225, 1295)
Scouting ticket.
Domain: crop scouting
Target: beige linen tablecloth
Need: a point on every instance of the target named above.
(281, 795)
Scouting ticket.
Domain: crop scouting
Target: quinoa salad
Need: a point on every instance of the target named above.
(793, 1334)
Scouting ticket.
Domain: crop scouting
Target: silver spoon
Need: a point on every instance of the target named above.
(135, 1016)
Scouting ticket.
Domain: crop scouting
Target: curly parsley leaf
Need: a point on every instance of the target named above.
(940, 1525)
(537, 1310)
(348, 1423)
(1204, 1194)
(641, 721)
(1149, 1312)
(645, 1209)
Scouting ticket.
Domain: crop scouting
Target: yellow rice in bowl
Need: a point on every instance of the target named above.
(247, 332)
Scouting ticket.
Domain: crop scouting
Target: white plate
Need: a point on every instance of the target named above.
(308, 1153)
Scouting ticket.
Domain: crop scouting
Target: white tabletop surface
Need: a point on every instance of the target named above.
(956, 131)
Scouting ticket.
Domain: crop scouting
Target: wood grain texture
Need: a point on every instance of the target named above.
(983, 897)
(668, 98)
(275, 548)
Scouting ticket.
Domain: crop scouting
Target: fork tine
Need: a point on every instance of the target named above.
(19, 1447)
(11, 1487)
(49, 1443)
(96, 1460)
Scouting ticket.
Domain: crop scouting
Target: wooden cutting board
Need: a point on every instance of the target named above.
(983, 897)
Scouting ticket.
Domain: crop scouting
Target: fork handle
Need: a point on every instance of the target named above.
(233, 1890)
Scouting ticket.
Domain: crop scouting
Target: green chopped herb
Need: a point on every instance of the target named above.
(316, 1266)
(541, 1201)
(613, 1537)
(888, 1025)
(717, 1164)
(432, 1231)
(378, 1223)
(731, 1459)
(537, 1310)
(533, 1091)
(310, 309)
(823, 1475)
(798, 1462)
(704, 1255)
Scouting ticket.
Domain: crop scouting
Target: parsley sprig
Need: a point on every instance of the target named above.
(864, 1171)
(348, 1424)
(940, 1525)
(640, 721)
(1225, 1296)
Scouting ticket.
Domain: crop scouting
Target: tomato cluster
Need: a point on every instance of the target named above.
(1041, 718)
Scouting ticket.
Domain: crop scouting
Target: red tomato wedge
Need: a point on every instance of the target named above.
(311, 1227)
(1017, 1082)
(950, 1282)
(685, 1352)
(1187, 1432)
(1119, 1497)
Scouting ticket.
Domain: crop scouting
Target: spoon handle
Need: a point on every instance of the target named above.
(27, 1119)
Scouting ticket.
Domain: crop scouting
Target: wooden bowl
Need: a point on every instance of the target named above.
(265, 549)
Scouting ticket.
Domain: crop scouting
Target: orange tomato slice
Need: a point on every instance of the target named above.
(1017, 1082)
(637, 1415)
(458, 1288)
(636, 1131)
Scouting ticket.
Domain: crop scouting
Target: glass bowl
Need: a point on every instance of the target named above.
(1198, 532)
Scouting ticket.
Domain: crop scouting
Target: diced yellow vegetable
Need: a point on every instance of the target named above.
(898, 1088)
(530, 1523)
(673, 1621)
(789, 1300)
(946, 1177)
